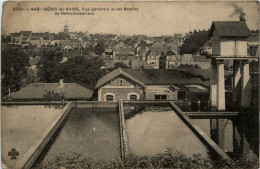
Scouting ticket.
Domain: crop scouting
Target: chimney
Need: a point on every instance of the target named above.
(61, 84)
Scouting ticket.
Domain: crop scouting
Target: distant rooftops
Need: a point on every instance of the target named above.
(36, 91)
(155, 77)
(26, 33)
(229, 28)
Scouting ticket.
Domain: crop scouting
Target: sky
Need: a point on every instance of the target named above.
(152, 18)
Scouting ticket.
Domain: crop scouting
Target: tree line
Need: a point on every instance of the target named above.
(194, 42)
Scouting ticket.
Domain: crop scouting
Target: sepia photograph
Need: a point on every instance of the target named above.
(124, 85)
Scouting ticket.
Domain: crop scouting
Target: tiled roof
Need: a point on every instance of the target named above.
(40, 34)
(26, 33)
(204, 74)
(154, 77)
(112, 44)
(16, 34)
(38, 90)
(164, 76)
(65, 43)
(115, 73)
(229, 28)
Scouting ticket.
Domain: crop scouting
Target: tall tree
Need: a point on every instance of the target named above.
(81, 70)
(47, 64)
(192, 44)
(14, 68)
(99, 49)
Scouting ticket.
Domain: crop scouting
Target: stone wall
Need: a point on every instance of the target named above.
(121, 93)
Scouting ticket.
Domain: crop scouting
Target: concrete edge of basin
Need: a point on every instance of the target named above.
(33, 103)
(96, 104)
(201, 134)
(35, 150)
(123, 137)
(3, 165)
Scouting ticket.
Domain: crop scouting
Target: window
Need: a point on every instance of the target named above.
(181, 95)
(109, 98)
(133, 97)
(160, 97)
(120, 82)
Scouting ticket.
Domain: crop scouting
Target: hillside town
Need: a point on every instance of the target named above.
(134, 51)
(157, 91)
(168, 55)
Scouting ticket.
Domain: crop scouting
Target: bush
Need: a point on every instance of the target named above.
(168, 159)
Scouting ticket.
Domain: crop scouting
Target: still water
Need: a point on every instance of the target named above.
(93, 134)
(239, 137)
(153, 129)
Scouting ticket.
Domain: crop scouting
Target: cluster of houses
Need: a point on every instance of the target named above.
(135, 51)
(145, 79)
(127, 84)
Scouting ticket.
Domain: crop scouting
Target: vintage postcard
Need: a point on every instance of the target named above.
(129, 84)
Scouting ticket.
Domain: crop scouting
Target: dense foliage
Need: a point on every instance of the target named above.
(47, 65)
(53, 96)
(187, 66)
(79, 69)
(120, 64)
(193, 43)
(5, 39)
(14, 63)
(167, 159)
(99, 49)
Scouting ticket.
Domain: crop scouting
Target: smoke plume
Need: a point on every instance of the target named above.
(238, 11)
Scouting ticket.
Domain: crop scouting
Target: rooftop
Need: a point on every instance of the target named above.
(229, 28)
(154, 77)
(38, 90)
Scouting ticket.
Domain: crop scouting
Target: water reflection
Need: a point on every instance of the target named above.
(93, 134)
(154, 129)
(238, 137)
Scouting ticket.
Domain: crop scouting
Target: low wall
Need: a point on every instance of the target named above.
(123, 137)
(144, 101)
(35, 150)
(95, 105)
(34, 103)
(201, 134)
